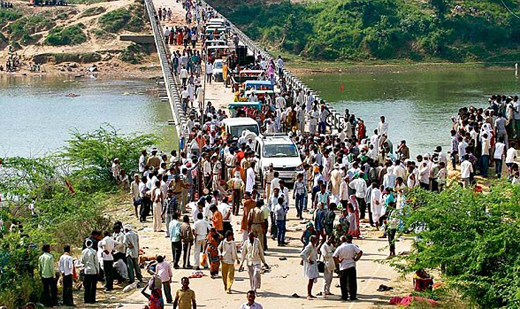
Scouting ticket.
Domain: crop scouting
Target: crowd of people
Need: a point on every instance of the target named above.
(484, 137)
(12, 64)
(348, 177)
(6, 4)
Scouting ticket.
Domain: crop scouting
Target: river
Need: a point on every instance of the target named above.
(37, 114)
(418, 105)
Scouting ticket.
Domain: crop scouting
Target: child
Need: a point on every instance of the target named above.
(185, 297)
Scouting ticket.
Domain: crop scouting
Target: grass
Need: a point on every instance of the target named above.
(131, 19)
(72, 35)
(96, 10)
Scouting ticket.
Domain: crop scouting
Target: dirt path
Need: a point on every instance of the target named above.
(285, 277)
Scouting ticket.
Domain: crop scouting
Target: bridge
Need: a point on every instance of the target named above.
(173, 86)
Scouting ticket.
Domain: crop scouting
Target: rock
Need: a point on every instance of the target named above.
(106, 57)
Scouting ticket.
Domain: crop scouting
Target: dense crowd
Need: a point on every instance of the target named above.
(350, 181)
(484, 137)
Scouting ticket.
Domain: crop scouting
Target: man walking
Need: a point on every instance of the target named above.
(346, 255)
(253, 254)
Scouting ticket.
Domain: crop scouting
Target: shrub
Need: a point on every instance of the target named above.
(72, 35)
(473, 238)
(96, 10)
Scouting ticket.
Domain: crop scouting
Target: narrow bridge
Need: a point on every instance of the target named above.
(174, 87)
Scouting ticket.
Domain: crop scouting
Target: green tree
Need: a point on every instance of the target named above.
(473, 238)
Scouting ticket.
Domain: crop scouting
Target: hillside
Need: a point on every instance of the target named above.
(429, 30)
(84, 31)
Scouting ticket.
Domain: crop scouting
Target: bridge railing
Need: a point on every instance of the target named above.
(171, 81)
(335, 119)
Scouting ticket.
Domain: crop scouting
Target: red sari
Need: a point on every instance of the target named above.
(180, 38)
(353, 228)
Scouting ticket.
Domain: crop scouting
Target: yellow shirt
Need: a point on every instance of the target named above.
(185, 298)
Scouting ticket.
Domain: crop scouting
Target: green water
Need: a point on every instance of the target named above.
(36, 115)
(418, 105)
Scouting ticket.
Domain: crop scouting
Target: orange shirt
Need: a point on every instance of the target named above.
(217, 220)
(248, 205)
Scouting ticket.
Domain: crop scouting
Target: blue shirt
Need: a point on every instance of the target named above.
(175, 231)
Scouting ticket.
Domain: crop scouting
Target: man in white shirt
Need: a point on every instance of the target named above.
(498, 156)
(250, 177)
(184, 76)
(484, 158)
(200, 231)
(359, 184)
(225, 210)
(346, 256)
(251, 304)
(106, 247)
(382, 127)
(66, 267)
(374, 140)
(209, 72)
(253, 254)
(466, 169)
(142, 161)
(510, 157)
(227, 251)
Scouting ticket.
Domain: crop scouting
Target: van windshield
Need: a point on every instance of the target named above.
(236, 131)
(280, 151)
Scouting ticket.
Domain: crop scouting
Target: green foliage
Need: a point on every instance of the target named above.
(29, 25)
(134, 53)
(90, 154)
(381, 29)
(71, 35)
(8, 16)
(473, 238)
(131, 19)
(96, 10)
(68, 204)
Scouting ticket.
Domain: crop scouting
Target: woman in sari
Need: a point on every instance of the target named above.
(180, 38)
(353, 211)
(213, 240)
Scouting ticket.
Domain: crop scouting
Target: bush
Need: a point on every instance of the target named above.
(68, 194)
(72, 35)
(473, 238)
(93, 11)
(131, 19)
(381, 29)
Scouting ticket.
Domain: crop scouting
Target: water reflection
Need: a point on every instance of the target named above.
(418, 104)
(37, 113)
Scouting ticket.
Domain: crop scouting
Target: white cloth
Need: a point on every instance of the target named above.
(466, 168)
(200, 228)
(250, 181)
(228, 250)
(90, 261)
(346, 253)
(66, 265)
(309, 256)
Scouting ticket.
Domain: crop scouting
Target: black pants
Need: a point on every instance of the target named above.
(90, 288)
(347, 281)
(145, 208)
(50, 292)
(176, 252)
(391, 239)
(68, 300)
(186, 248)
(227, 227)
(109, 274)
(363, 207)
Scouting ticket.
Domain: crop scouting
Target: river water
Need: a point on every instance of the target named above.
(418, 105)
(37, 115)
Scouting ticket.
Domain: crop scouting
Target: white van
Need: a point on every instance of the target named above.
(235, 126)
(282, 153)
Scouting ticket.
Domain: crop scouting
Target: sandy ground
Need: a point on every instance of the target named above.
(285, 277)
